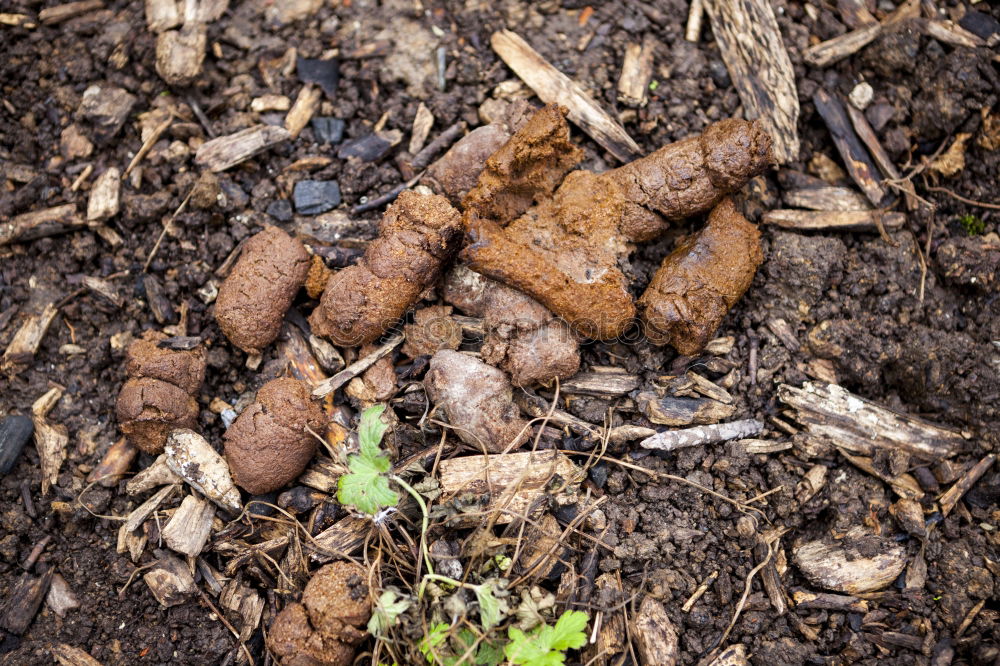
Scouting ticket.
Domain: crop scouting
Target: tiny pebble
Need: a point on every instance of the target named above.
(862, 95)
(328, 130)
(367, 148)
(281, 210)
(313, 197)
(15, 431)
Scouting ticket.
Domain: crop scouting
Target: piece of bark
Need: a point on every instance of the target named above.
(734, 655)
(23, 601)
(157, 474)
(809, 600)
(60, 13)
(138, 515)
(671, 440)
(637, 68)
(50, 440)
(612, 636)
(949, 33)
(60, 597)
(227, 151)
(67, 655)
(856, 158)
(951, 497)
(910, 516)
(246, 603)
(188, 528)
(354, 369)
(104, 289)
(830, 411)
(677, 412)
(25, 343)
(511, 483)
(836, 49)
(180, 53)
(40, 223)
(114, 464)
(855, 13)
(601, 384)
(654, 634)
(162, 15)
(306, 104)
(754, 52)
(422, 123)
(161, 308)
(552, 86)
(537, 407)
(342, 538)
(812, 482)
(867, 135)
(829, 198)
(862, 562)
(169, 580)
(834, 220)
(543, 550)
(192, 458)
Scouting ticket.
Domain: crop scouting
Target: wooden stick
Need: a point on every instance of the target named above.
(552, 86)
(867, 135)
(147, 145)
(827, 199)
(636, 71)
(755, 55)
(856, 158)
(671, 440)
(692, 32)
(228, 151)
(836, 49)
(833, 220)
(40, 223)
(356, 368)
(950, 498)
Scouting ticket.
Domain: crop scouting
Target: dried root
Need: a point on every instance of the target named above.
(699, 281)
(419, 233)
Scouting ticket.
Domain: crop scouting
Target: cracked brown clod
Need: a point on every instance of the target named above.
(269, 443)
(183, 369)
(254, 298)
(565, 250)
(477, 398)
(418, 234)
(698, 282)
(432, 330)
(522, 336)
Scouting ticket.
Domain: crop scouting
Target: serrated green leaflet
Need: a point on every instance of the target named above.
(366, 487)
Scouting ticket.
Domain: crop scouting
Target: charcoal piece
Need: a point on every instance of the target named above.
(367, 148)
(281, 210)
(26, 596)
(328, 130)
(15, 431)
(980, 24)
(313, 197)
(324, 73)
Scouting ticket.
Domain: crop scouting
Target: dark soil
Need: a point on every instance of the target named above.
(853, 301)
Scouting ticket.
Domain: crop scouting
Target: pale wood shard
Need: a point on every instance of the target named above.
(181, 53)
(342, 538)
(114, 464)
(192, 458)
(60, 13)
(162, 15)
(836, 49)
(306, 105)
(601, 384)
(204, 11)
(655, 635)
(856, 158)
(755, 55)
(50, 440)
(637, 69)
(60, 597)
(169, 580)
(512, 482)
(246, 603)
(827, 199)
(834, 220)
(26, 341)
(812, 482)
(139, 515)
(830, 412)
(855, 13)
(227, 151)
(23, 601)
(157, 474)
(696, 14)
(827, 601)
(708, 388)
(40, 223)
(422, 123)
(17, 21)
(554, 87)
(188, 528)
(836, 565)
(734, 655)
(951, 497)
(867, 135)
(671, 440)
(67, 655)
(949, 33)
(354, 369)
(104, 196)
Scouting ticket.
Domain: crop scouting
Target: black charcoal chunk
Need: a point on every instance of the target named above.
(15, 431)
(324, 73)
(979, 24)
(328, 130)
(313, 197)
(367, 148)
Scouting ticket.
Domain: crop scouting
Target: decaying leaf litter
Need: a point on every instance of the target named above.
(792, 545)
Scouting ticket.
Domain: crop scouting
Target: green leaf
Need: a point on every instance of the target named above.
(522, 649)
(434, 639)
(545, 645)
(366, 487)
(371, 429)
(570, 631)
(491, 611)
(389, 607)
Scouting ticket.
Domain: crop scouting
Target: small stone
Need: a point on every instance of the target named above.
(104, 196)
(313, 197)
(106, 109)
(206, 191)
(328, 130)
(73, 144)
(367, 148)
(281, 210)
(270, 103)
(862, 95)
(15, 431)
(324, 73)
(180, 54)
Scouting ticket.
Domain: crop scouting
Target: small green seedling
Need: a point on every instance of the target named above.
(366, 486)
(546, 645)
(461, 649)
(972, 225)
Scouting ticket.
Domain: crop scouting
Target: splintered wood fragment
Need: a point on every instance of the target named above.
(867, 135)
(114, 464)
(147, 145)
(538, 407)
(699, 592)
(189, 526)
(228, 151)
(169, 580)
(678, 412)
(157, 474)
(246, 603)
(67, 655)
(511, 483)
(827, 198)
(826, 601)
(654, 634)
(192, 458)
(139, 515)
(422, 123)
(904, 485)
(28, 338)
(611, 638)
(671, 440)
(354, 369)
(637, 69)
(554, 87)
(949, 33)
(162, 15)
(60, 597)
(830, 411)
(834, 220)
(23, 601)
(696, 14)
(842, 566)
(708, 388)
(41, 223)
(855, 13)
(303, 110)
(104, 289)
(836, 49)
(856, 158)
(50, 440)
(755, 55)
(342, 538)
(733, 655)
(951, 497)
(60, 13)
(764, 446)
(104, 196)
(628, 433)
(601, 384)
(812, 482)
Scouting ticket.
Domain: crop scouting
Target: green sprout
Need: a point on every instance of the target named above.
(546, 645)
(972, 225)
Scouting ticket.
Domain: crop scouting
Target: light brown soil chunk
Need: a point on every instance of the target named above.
(148, 409)
(269, 443)
(698, 282)
(294, 642)
(432, 330)
(253, 300)
(419, 233)
(183, 369)
(337, 599)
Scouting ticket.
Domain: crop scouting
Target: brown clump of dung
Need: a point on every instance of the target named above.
(432, 330)
(698, 282)
(159, 395)
(254, 298)
(565, 250)
(418, 234)
(269, 443)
